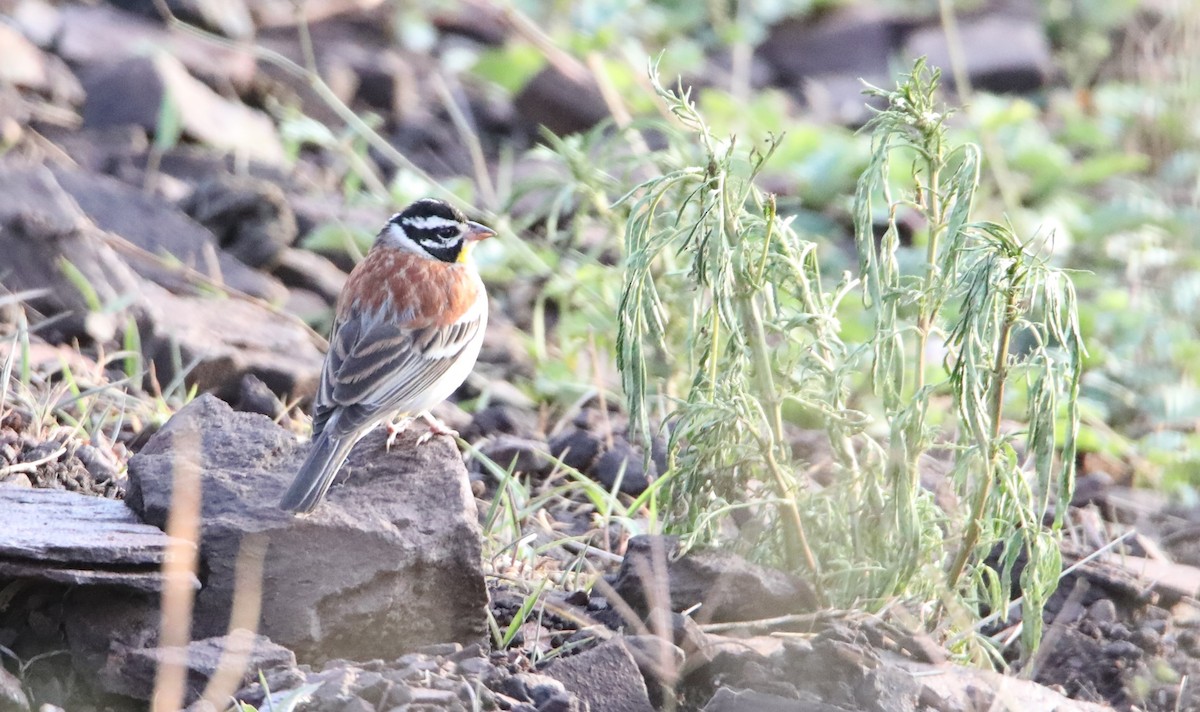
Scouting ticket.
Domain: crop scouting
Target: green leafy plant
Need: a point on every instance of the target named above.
(728, 332)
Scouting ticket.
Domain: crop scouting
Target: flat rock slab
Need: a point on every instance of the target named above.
(390, 562)
(61, 536)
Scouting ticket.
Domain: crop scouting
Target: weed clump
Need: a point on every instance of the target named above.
(719, 284)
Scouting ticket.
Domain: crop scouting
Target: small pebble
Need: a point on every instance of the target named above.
(1103, 611)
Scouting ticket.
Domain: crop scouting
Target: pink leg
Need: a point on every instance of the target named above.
(436, 428)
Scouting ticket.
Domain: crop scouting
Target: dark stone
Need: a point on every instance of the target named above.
(824, 58)
(98, 466)
(659, 661)
(888, 689)
(728, 587)
(388, 563)
(605, 677)
(433, 145)
(250, 217)
(542, 689)
(1004, 52)
(856, 40)
(502, 419)
(98, 621)
(518, 454)
(532, 687)
(561, 702)
(624, 464)
(255, 397)
(563, 104)
(131, 672)
(482, 23)
(577, 448)
(1091, 488)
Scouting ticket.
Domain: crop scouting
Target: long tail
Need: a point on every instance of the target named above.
(316, 474)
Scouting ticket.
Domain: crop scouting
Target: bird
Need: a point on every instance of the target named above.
(407, 330)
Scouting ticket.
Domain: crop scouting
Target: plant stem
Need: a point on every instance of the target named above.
(993, 444)
(752, 319)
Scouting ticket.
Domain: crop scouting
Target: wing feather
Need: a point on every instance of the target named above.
(386, 368)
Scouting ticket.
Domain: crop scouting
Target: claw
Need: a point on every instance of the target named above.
(395, 428)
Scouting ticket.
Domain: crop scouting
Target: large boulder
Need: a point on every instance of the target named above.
(391, 561)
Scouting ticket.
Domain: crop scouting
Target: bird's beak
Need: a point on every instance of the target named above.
(477, 232)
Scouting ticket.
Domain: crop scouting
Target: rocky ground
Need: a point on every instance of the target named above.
(388, 599)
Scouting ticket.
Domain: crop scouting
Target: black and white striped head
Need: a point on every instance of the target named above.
(435, 229)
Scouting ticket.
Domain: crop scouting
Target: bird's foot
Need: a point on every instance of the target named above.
(395, 428)
(436, 428)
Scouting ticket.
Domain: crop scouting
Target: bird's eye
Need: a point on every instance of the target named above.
(447, 233)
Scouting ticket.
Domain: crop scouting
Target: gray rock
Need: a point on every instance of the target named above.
(228, 17)
(532, 687)
(131, 672)
(94, 35)
(388, 563)
(658, 658)
(728, 587)
(302, 269)
(132, 92)
(161, 229)
(605, 677)
(100, 620)
(888, 689)
(335, 683)
(40, 226)
(99, 466)
(53, 535)
(823, 58)
(1004, 51)
(225, 339)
